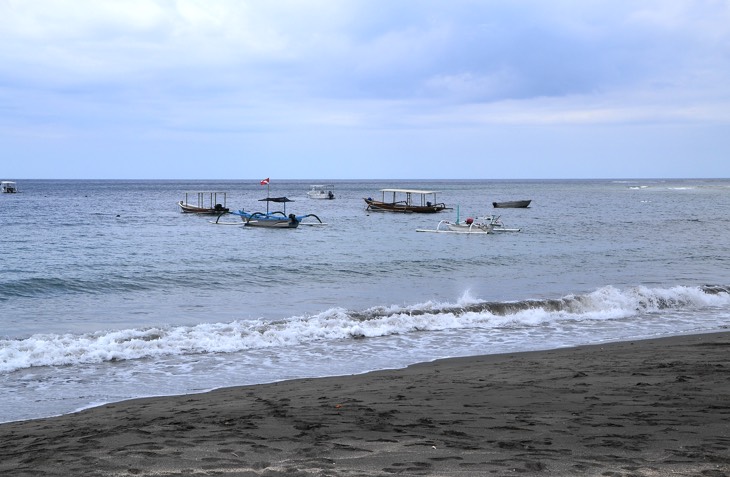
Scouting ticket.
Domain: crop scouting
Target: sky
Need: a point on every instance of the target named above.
(364, 89)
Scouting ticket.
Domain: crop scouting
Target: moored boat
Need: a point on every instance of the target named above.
(8, 187)
(204, 203)
(467, 227)
(486, 225)
(512, 204)
(277, 219)
(321, 191)
(406, 201)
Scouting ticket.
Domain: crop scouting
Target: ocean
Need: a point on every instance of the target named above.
(108, 292)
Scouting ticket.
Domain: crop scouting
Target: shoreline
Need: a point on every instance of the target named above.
(649, 407)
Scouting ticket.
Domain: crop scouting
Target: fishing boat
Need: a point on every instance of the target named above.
(486, 225)
(406, 201)
(273, 220)
(321, 191)
(8, 187)
(469, 226)
(512, 204)
(204, 202)
(277, 219)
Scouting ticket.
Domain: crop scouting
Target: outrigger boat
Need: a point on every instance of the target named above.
(277, 219)
(205, 203)
(489, 224)
(467, 227)
(403, 200)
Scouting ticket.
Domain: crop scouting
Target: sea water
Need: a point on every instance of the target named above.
(108, 292)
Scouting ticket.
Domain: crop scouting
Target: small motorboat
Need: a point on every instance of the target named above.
(512, 204)
(9, 187)
(321, 191)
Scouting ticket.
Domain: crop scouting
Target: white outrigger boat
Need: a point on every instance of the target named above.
(467, 227)
(489, 224)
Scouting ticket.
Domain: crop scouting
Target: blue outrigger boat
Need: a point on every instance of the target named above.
(277, 219)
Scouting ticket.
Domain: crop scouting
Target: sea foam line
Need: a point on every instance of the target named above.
(606, 303)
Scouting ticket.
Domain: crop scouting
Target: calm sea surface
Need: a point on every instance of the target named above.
(109, 292)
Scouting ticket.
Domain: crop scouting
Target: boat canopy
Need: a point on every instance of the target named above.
(426, 197)
(410, 191)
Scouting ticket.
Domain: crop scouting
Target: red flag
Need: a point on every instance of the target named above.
(265, 181)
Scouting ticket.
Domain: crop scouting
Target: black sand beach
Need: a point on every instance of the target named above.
(642, 408)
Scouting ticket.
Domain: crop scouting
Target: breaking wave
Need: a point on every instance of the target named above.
(607, 303)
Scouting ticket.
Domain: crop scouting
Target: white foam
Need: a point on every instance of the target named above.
(607, 303)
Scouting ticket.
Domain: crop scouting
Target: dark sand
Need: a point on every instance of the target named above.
(643, 408)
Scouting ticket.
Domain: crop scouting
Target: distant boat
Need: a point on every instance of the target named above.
(321, 191)
(403, 200)
(512, 204)
(8, 187)
(205, 203)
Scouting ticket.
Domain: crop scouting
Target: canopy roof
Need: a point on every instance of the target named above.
(409, 191)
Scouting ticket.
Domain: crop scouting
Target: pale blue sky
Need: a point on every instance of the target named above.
(153, 89)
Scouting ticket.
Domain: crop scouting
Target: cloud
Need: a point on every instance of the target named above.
(230, 68)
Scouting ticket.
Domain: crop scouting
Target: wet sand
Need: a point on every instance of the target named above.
(640, 408)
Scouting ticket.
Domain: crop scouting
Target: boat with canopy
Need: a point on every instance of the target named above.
(406, 201)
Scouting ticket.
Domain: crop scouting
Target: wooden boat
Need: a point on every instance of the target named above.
(321, 191)
(205, 203)
(8, 187)
(512, 204)
(406, 201)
